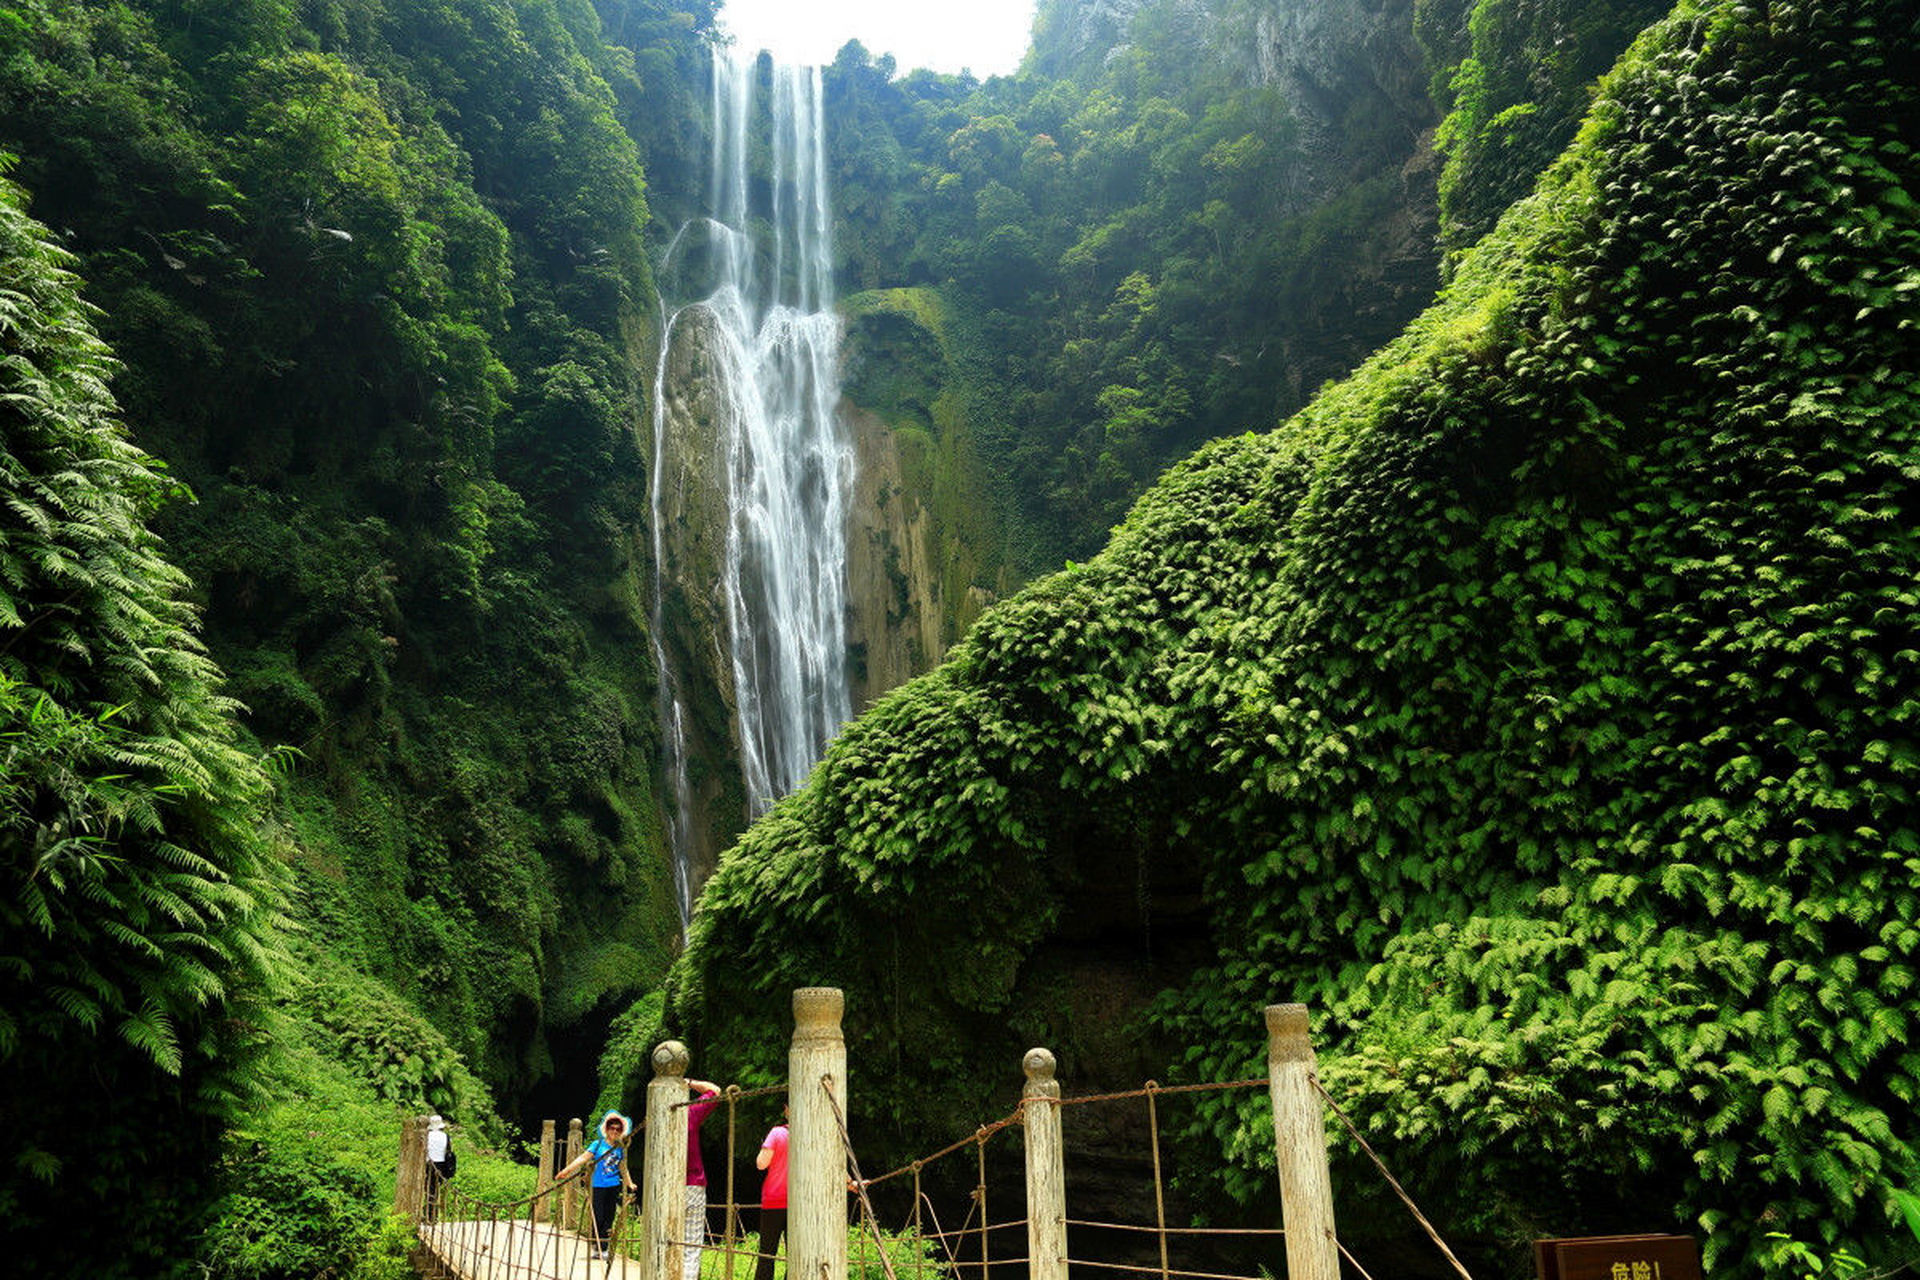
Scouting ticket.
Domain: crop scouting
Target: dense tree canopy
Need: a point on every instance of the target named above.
(378, 276)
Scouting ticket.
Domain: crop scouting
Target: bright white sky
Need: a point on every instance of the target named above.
(987, 37)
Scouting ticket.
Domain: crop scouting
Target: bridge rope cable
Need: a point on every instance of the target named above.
(977, 1226)
(867, 1217)
(1151, 1092)
(1181, 1231)
(1345, 1253)
(1392, 1181)
(1154, 1087)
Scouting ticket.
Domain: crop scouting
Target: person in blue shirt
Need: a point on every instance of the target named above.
(608, 1155)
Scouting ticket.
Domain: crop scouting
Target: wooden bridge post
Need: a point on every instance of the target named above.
(816, 1160)
(663, 1227)
(570, 1194)
(544, 1208)
(1300, 1145)
(410, 1172)
(1046, 1170)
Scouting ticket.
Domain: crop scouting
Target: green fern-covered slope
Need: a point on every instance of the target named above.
(139, 914)
(1538, 704)
(377, 274)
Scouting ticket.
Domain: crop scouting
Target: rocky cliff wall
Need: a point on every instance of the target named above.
(692, 625)
(923, 547)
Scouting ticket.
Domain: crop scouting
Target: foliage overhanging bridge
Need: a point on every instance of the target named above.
(832, 1221)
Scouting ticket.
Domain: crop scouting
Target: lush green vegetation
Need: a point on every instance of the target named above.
(378, 277)
(137, 934)
(1538, 704)
(1141, 251)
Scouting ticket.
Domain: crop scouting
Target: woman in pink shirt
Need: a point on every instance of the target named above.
(706, 1098)
(773, 1196)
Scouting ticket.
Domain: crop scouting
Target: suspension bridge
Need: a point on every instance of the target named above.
(834, 1231)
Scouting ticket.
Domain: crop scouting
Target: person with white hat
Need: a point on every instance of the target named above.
(440, 1158)
(608, 1155)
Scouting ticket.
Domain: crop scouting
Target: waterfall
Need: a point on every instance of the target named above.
(773, 338)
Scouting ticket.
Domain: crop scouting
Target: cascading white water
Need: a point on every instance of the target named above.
(775, 346)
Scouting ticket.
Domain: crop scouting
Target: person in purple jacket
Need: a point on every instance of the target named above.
(706, 1097)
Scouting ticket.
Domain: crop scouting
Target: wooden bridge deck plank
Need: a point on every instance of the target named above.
(516, 1251)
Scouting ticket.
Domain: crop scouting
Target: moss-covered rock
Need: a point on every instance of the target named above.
(693, 517)
(925, 549)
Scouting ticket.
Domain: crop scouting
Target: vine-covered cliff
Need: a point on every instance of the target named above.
(1536, 703)
(376, 279)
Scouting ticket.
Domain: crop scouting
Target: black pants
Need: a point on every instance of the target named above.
(773, 1226)
(436, 1179)
(606, 1203)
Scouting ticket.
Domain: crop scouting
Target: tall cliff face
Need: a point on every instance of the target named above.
(1354, 76)
(895, 616)
(691, 519)
(1355, 84)
(378, 278)
(925, 552)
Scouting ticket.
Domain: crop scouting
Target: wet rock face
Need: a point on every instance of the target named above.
(692, 552)
(1353, 75)
(917, 561)
(894, 605)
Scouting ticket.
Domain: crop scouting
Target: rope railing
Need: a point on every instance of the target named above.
(977, 1227)
(501, 1240)
(544, 1235)
(1156, 1271)
(731, 1245)
(1379, 1164)
(1179, 1231)
(1161, 1228)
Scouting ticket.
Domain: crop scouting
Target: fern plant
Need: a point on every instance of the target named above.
(139, 917)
